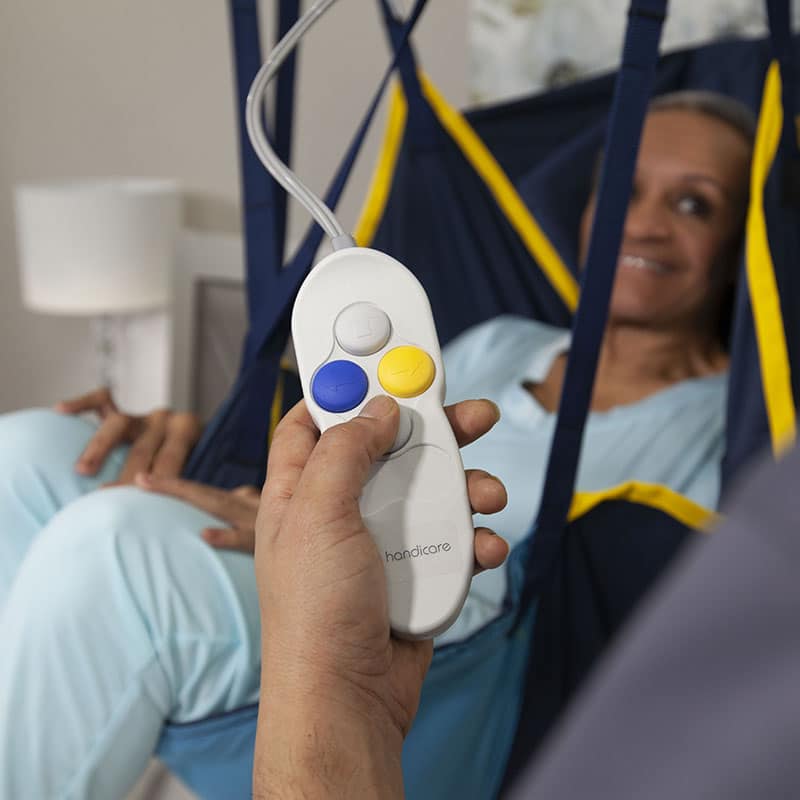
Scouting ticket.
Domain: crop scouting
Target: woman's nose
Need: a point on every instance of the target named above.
(647, 219)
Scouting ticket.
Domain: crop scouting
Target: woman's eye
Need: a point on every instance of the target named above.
(693, 205)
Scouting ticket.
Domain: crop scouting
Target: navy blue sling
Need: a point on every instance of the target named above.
(233, 449)
(491, 200)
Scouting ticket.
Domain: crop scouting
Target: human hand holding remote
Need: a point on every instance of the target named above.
(338, 692)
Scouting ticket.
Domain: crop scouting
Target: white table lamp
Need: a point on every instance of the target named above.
(100, 248)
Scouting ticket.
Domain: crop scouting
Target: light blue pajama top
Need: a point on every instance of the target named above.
(673, 437)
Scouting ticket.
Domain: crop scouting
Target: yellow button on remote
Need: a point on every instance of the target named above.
(406, 371)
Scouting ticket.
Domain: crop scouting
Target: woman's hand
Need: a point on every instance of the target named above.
(237, 507)
(160, 442)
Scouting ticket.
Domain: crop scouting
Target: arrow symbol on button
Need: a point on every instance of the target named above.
(409, 370)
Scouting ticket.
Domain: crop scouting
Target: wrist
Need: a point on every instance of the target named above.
(294, 675)
(325, 742)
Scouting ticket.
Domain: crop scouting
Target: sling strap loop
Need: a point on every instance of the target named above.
(628, 109)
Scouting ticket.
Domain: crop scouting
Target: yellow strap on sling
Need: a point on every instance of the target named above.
(654, 495)
(485, 165)
(764, 297)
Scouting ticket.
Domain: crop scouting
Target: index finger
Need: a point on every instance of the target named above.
(471, 419)
(182, 434)
(100, 400)
(292, 443)
(144, 447)
(113, 431)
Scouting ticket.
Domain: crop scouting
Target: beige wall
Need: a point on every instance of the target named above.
(106, 87)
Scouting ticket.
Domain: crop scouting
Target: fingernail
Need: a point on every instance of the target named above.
(143, 480)
(216, 538)
(497, 413)
(380, 406)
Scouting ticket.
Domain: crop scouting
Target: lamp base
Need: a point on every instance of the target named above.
(131, 353)
(107, 331)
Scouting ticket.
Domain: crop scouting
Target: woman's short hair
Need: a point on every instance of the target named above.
(713, 104)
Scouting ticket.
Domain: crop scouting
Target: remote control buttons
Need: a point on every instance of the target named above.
(406, 371)
(362, 329)
(403, 431)
(339, 386)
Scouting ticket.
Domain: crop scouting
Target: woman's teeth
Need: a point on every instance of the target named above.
(639, 262)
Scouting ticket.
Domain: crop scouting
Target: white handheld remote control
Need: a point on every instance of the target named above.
(362, 326)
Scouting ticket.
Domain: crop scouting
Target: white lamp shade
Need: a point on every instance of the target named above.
(97, 247)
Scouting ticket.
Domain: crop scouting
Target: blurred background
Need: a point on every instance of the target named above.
(96, 88)
(101, 88)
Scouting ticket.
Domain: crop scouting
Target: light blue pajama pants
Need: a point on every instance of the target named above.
(114, 617)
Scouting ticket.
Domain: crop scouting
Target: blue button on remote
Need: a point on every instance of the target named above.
(339, 386)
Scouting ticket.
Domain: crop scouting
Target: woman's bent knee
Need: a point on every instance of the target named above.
(47, 440)
(38, 451)
(129, 569)
(40, 435)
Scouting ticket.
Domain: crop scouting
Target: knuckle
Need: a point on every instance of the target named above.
(286, 429)
(117, 418)
(185, 423)
(340, 437)
(278, 490)
(158, 417)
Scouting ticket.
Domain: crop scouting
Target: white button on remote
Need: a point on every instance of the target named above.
(362, 329)
(403, 431)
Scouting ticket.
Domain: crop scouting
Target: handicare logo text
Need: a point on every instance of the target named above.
(417, 551)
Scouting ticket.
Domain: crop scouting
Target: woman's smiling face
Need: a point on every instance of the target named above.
(684, 223)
